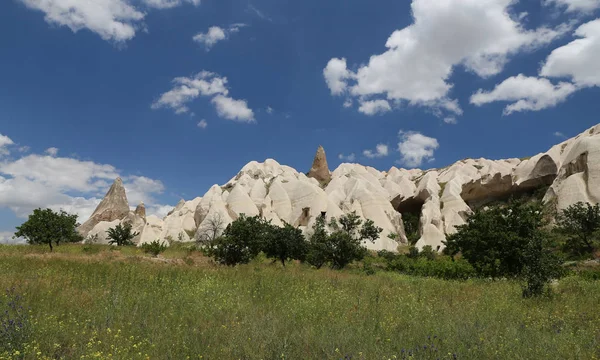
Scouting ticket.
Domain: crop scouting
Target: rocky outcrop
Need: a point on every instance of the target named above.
(320, 169)
(140, 210)
(442, 199)
(113, 207)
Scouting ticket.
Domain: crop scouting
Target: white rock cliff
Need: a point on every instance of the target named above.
(442, 198)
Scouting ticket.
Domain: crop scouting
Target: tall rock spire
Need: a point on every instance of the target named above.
(320, 170)
(113, 207)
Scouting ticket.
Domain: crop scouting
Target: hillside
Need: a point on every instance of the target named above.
(440, 198)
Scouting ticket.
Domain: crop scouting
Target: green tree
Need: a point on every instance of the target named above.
(283, 243)
(121, 235)
(241, 242)
(317, 254)
(411, 227)
(44, 226)
(541, 265)
(494, 241)
(345, 244)
(580, 223)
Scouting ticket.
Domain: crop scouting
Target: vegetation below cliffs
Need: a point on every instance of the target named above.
(97, 301)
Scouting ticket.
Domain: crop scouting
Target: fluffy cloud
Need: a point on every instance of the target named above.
(336, 75)
(559, 134)
(205, 83)
(216, 34)
(450, 120)
(525, 93)
(350, 158)
(479, 35)
(167, 4)
(76, 186)
(373, 107)
(232, 109)
(578, 60)
(416, 147)
(585, 6)
(6, 237)
(52, 151)
(381, 150)
(203, 124)
(5, 142)
(113, 20)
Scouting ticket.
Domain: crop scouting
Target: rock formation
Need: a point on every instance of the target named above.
(320, 169)
(442, 198)
(113, 207)
(140, 210)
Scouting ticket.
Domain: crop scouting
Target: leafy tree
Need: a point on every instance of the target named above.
(411, 227)
(317, 254)
(47, 227)
(283, 243)
(494, 241)
(241, 242)
(541, 265)
(121, 235)
(344, 244)
(580, 222)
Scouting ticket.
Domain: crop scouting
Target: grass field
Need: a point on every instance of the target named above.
(121, 304)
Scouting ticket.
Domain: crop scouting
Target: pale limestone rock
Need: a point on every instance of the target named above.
(239, 202)
(113, 207)
(140, 210)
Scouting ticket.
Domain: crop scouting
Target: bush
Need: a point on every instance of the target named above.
(154, 248)
(121, 235)
(443, 267)
(283, 243)
(14, 323)
(241, 242)
(344, 245)
(494, 241)
(580, 223)
(540, 267)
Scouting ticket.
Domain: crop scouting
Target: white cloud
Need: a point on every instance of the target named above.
(416, 148)
(584, 6)
(578, 60)
(205, 84)
(202, 124)
(270, 110)
(216, 34)
(374, 107)
(348, 103)
(73, 185)
(167, 4)
(5, 141)
(480, 35)
(52, 151)
(350, 158)
(381, 150)
(336, 75)
(451, 120)
(6, 238)
(525, 93)
(559, 134)
(114, 20)
(232, 109)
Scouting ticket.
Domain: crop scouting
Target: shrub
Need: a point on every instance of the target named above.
(241, 242)
(494, 241)
(443, 267)
(121, 235)
(344, 245)
(283, 243)
(14, 323)
(580, 223)
(540, 267)
(46, 226)
(154, 248)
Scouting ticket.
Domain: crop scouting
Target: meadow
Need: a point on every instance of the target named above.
(105, 303)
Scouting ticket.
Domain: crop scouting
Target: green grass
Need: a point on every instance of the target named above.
(121, 304)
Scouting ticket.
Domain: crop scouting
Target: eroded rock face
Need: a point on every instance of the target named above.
(140, 210)
(320, 169)
(441, 198)
(113, 207)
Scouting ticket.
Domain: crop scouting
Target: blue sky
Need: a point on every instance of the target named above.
(94, 82)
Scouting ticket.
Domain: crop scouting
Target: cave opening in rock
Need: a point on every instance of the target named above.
(410, 209)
